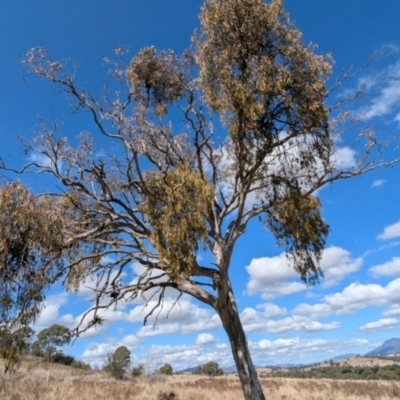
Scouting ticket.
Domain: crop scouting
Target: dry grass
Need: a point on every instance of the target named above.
(69, 384)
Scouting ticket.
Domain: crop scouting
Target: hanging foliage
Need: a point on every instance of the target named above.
(30, 240)
(298, 225)
(177, 205)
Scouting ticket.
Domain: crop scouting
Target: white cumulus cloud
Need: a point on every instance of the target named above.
(354, 297)
(392, 311)
(203, 324)
(344, 158)
(385, 323)
(255, 321)
(154, 330)
(377, 183)
(390, 232)
(271, 310)
(204, 339)
(297, 349)
(389, 268)
(384, 90)
(50, 313)
(274, 276)
(337, 263)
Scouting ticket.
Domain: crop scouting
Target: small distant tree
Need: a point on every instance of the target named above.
(166, 369)
(137, 370)
(51, 338)
(211, 369)
(118, 362)
(375, 369)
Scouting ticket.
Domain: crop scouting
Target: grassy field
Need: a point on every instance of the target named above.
(63, 383)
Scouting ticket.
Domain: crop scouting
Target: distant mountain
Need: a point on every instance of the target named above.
(230, 369)
(389, 347)
(190, 370)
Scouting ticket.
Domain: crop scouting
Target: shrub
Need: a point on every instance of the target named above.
(211, 369)
(166, 369)
(167, 396)
(61, 358)
(117, 363)
(138, 370)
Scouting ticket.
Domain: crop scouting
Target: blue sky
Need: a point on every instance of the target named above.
(354, 309)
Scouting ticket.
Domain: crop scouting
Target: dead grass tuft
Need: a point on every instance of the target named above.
(167, 396)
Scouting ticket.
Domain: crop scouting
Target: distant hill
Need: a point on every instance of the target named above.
(227, 370)
(312, 364)
(343, 356)
(389, 347)
(190, 370)
(230, 369)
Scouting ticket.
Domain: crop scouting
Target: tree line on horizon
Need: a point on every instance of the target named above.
(117, 364)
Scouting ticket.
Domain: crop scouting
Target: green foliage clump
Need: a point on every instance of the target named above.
(177, 205)
(49, 339)
(137, 370)
(298, 225)
(118, 362)
(60, 358)
(166, 369)
(211, 368)
(13, 343)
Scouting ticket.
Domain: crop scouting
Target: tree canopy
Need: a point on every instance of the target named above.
(118, 362)
(166, 369)
(168, 187)
(49, 339)
(211, 368)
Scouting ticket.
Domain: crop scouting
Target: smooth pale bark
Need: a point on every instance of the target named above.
(229, 315)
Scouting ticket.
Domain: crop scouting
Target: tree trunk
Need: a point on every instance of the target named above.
(229, 315)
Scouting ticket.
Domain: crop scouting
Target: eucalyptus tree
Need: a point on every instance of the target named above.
(166, 369)
(211, 368)
(30, 246)
(118, 362)
(49, 339)
(186, 152)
